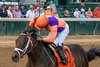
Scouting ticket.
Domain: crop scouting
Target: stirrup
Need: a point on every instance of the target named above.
(64, 61)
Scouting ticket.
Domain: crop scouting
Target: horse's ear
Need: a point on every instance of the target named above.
(30, 34)
(32, 30)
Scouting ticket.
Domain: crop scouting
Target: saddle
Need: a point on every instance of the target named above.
(69, 57)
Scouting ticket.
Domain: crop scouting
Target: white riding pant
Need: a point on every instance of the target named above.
(61, 36)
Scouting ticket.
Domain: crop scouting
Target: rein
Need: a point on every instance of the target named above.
(47, 54)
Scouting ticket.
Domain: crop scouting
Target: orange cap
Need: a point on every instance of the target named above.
(41, 22)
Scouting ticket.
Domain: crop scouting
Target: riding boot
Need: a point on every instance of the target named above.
(62, 54)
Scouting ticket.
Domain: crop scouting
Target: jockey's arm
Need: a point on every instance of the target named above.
(53, 33)
(31, 24)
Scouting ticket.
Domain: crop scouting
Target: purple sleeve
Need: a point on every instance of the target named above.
(53, 21)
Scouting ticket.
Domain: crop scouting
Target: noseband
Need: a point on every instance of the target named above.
(29, 42)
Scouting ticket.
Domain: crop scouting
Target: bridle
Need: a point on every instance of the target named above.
(24, 51)
(29, 42)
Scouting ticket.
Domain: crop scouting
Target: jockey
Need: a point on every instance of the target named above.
(58, 31)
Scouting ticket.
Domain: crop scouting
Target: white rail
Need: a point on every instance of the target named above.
(66, 19)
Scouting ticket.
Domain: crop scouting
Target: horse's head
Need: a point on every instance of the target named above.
(24, 44)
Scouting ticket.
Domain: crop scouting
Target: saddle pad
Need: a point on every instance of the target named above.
(69, 58)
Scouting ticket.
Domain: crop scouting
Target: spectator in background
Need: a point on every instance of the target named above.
(3, 11)
(16, 12)
(41, 12)
(66, 13)
(42, 4)
(89, 13)
(55, 14)
(76, 13)
(52, 6)
(30, 13)
(82, 15)
(97, 12)
(23, 10)
(43, 1)
(48, 11)
(5, 6)
(36, 5)
(82, 6)
(9, 9)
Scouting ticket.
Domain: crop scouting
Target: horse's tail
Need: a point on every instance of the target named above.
(93, 53)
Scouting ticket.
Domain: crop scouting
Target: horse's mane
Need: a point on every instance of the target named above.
(30, 31)
(34, 35)
(25, 32)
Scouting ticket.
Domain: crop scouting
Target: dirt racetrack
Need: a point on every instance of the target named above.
(7, 44)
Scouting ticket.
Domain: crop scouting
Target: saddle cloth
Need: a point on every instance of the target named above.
(69, 58)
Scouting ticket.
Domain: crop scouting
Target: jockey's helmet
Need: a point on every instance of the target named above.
(41, 22)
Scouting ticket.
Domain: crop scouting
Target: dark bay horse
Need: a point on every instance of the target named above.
(40, 55)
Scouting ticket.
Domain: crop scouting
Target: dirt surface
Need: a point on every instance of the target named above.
(7, 44)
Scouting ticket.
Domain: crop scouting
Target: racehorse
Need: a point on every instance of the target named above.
(40, 55)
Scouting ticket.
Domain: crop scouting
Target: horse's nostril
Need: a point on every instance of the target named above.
(15, 56)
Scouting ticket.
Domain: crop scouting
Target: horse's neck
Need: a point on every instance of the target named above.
(35, 54)
(39, 56)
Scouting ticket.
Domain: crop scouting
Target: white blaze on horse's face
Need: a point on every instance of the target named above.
(22, 46)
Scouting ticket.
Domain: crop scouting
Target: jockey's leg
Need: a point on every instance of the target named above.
(61, 53)
(59, 43)
(61, 36)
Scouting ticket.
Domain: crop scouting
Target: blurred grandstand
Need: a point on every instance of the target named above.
(61, 5)
(14, 28)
